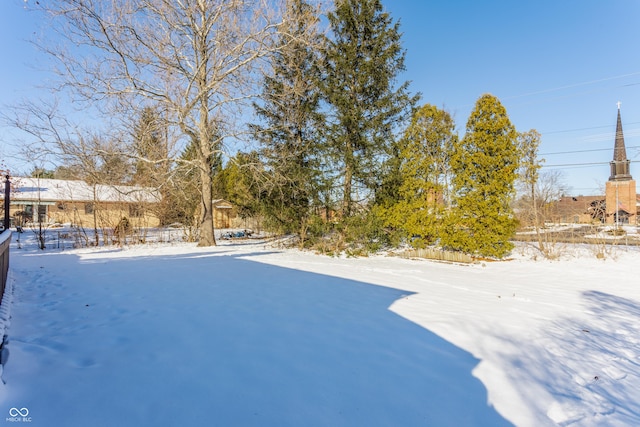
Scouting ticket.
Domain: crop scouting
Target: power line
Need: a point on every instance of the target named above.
(572, 85)
(589, 128)
(563, 165)
(585, 151)
(576, 165)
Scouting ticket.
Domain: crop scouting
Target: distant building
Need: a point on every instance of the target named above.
(579, 209)
(620, 203)
(621, 197)
(37, 200)
(223, 214)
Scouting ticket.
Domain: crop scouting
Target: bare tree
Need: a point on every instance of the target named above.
(96, 157)
(194, 58)
(538, 206)
(549, 189)
(528, 143)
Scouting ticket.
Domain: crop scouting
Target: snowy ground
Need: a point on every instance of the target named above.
(248, 334)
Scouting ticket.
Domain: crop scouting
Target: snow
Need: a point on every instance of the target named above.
(59, 190)
(251, 334)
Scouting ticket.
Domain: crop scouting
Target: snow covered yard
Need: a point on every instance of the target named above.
(246, 334)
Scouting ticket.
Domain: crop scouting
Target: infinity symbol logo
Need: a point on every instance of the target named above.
(14, 412)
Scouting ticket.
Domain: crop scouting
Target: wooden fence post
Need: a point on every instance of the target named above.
(5, 238)
(7, 203)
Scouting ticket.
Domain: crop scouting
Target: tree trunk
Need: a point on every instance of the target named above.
(95, 216)
(348, 179)
(207, 237)
(536, 218)
(346, 201)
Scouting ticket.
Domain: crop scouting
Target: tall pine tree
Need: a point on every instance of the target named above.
(484, 166)
(291, 119)
(236, 182)
(152, 165)
(150, 149)
(185, 191)
(362, 61)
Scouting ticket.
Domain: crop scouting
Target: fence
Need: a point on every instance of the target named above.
(5, 239)
(438, 254)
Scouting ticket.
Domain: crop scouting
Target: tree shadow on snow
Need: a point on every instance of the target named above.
(223, 340)
(588, 366)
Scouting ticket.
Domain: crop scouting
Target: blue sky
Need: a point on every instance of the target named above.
(558, 67)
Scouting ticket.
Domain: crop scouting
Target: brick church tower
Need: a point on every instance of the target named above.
(621, 188)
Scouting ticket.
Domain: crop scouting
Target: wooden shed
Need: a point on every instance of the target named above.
(223, 213)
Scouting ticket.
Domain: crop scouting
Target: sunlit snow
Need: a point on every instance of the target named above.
(250, 334)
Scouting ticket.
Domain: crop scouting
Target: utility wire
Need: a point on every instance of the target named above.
(574, 165)
(585, 151)
(589, 128)
(573, 85)
(566, 165)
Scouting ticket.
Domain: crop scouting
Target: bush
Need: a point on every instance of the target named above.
(357, 235)
(123, 227)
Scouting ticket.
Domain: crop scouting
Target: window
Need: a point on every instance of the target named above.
(136, 210)
(88, 208)
(42, 213)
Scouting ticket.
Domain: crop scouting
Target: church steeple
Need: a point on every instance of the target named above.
(620, 163)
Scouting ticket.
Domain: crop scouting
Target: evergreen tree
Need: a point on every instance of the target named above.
(68, 172)
(484, 166)
(184, 191)
(40, 172)
(388, 192)
(105, 161)
(362, 61)
(424, 157)
(236, 182)
(291, 121)
(152, 163)
(150, 149)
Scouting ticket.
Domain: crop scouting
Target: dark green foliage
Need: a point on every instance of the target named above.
(357, 235)
(236, 183)
(388, 191)
(42, 173)
(289, 134)
(361, 63)
(365, 232)
(484, 166)
(152, 166)
(150, 149)
(184, 197)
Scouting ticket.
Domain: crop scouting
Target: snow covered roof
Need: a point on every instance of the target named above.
(58, 190)
(221, 204)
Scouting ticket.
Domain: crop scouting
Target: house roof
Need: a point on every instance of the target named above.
(221, 204)
(572, 205)
(58, 190)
